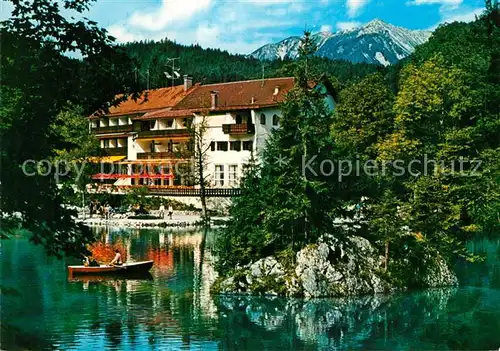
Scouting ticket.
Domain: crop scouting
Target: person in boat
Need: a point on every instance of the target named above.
(90, 262)
(117, 261)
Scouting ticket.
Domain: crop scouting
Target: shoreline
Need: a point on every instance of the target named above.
(177, 221)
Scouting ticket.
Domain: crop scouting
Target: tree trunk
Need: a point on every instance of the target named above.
(386, 262)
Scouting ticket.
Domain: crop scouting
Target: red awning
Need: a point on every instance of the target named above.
(126, 176)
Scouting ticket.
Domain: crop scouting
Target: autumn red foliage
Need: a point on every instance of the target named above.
(104, 253)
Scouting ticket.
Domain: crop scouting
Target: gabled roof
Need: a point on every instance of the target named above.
(243, 95)
(238, 95)
(150, 100)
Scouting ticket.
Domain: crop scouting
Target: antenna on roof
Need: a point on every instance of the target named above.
(175, 73)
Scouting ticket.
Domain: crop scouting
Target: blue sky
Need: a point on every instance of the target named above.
(242, 26)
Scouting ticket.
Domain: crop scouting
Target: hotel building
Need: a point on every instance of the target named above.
(148, 138)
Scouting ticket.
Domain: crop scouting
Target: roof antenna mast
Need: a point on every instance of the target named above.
(175, 70)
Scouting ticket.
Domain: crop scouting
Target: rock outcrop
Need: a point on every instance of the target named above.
(332, 267)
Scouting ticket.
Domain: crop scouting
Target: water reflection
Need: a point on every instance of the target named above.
(172, 308)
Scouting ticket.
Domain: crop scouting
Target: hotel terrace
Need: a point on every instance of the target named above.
(148, 140)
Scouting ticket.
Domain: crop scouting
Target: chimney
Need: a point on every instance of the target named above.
(188, 82)
(276, 90)
(253, 100)
(215, 99)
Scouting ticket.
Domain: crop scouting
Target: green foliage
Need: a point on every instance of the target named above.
(39, 81)
(364, 115)
(219, 66)
(440, 108)
(278, 208)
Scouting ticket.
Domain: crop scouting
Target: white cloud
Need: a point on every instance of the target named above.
(207, 35)
(433, 2)
(348, 25)
(445, 5)
(463, 17)
(458, 16)
(241, 28)
(325, 28)
(355, 6)
(170, 11)
(121, 34)
(268, 2)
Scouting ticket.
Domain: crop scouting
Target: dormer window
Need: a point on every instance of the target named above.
(262, 118)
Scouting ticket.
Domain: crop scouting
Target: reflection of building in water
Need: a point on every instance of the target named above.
(203, 277)
(188, 239)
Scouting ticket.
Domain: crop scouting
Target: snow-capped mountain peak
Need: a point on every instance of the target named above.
(375, 42)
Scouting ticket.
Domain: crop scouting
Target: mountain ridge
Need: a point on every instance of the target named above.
(375, 42)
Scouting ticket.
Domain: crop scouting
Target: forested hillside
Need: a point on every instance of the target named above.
(429, 132)
(213, 65)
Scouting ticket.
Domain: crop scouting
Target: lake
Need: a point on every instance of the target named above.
(172, 309)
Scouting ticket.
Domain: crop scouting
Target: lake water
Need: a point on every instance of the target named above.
(42, 309)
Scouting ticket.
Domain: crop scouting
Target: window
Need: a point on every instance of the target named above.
(235, 145)
(262, 118)
(222, 146)
(233, 175)
(105, 143)
(219, 175)
(170, 122)
(122, 142)
(248, 145)
(275, 120)
(212, 146)
(186, 122)
(239, 119)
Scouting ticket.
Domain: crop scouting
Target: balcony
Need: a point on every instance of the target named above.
(238, 129)
(165, 133)
(113, 129)
(116, 151)
(162, 155)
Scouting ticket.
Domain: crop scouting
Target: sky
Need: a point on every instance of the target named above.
(242, 26)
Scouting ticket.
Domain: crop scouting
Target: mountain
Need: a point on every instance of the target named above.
(376, 42)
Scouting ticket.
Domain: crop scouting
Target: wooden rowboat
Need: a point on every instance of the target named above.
(126, 268)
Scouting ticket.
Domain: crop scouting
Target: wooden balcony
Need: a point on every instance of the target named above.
(238, 129)
(116, 151)
(162, 155)
(113, 129)
(165, 133)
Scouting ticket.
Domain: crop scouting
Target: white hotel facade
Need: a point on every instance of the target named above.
(151, 132)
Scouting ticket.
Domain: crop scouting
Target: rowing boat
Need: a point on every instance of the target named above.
(126, 268)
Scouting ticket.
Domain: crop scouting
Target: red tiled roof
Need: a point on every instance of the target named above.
(231, 95)
(150, 100)
(238, 94)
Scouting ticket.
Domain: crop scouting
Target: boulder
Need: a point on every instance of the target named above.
(332, 267)
(340, 268)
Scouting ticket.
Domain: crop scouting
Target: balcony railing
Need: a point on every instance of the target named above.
(116, 151)
(243, 128)
(113, 129)
(177, 190)
(162, 155)
(164, 133)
